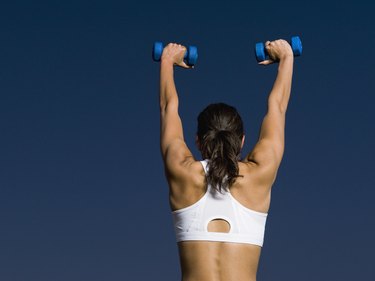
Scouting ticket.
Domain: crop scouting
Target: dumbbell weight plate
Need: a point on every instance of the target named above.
(192, 55)
(157, 51)
(260, 52)
(296, 44)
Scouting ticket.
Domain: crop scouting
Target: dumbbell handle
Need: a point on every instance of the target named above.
(191, 54)
(261, 52)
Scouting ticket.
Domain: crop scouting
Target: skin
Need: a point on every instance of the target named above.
(223, 261)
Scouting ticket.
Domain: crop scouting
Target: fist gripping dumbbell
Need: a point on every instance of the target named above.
(190, 57)
(261, 52)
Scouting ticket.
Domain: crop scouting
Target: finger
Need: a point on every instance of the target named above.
(269, 45)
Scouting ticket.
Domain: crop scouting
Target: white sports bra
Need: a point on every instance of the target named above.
(246, 225)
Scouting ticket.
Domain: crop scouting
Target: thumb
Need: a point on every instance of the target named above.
(184, 65)
(266, 62)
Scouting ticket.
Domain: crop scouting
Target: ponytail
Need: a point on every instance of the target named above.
(223, 163)
(220, 133)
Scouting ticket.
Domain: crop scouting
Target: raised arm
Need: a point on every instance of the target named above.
(268, 151)
(173, 148)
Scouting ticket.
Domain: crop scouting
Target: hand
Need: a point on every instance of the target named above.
(277, 50)
(174, 53)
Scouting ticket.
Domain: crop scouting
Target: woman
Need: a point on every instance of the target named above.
(220, 205)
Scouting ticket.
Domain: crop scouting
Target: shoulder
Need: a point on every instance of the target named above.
(181, 165)
(186, 183)
(261, 175)
(185, 172)
(253, 188)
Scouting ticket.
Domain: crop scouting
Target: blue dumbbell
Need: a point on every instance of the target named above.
(261, 52)
(191, 54)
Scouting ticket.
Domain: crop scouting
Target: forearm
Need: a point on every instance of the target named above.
(168, 92)
(281, 89)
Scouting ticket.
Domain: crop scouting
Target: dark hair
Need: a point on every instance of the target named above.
(220, 133)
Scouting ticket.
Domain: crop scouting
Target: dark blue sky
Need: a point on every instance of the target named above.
(82, 190)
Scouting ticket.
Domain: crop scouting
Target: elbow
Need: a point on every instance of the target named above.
(277, 105)
(170, 104)
(163, 106)
(283, 108)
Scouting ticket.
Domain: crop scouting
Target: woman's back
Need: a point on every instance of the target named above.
(218, 261)
(214, 260)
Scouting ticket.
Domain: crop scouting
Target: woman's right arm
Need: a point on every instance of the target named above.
(174, 150)
(268, 151)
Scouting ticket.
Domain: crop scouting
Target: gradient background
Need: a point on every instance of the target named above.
(82, 190)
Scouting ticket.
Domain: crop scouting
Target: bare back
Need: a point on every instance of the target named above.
(220, 261)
